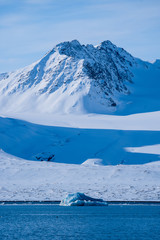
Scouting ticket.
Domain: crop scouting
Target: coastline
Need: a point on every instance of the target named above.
(58, 202)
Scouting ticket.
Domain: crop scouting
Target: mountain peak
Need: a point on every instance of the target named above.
(106, 44)
(73, 43)
(69, 48)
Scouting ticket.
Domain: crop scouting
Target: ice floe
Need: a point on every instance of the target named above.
(80, 199)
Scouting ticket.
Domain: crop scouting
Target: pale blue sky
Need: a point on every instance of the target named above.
(29, 28)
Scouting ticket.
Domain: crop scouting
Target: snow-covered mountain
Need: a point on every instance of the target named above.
(77, 78)
(45, 116)
(62, 90)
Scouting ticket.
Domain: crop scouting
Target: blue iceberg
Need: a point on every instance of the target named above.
(80, 199)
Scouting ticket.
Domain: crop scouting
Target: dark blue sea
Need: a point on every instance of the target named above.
(118, 222)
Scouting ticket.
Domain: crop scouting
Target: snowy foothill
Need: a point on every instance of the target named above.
(33, 180)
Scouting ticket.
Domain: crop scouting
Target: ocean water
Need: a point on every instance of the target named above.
(52, 222)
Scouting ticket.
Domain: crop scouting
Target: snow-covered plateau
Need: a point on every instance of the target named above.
(81, 119)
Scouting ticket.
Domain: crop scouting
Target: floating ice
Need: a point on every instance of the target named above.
(80, 199)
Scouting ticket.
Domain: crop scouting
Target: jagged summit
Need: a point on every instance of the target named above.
(107, 45)
(70, 78)
(75, 44)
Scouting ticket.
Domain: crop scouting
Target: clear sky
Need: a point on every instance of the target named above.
(29, 28)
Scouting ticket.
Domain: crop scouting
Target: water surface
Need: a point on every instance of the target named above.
(38, 222)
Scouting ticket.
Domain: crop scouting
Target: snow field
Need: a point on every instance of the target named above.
(31, 180)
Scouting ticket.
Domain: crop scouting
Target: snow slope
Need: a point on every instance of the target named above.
(75, 145)
(52, 181)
